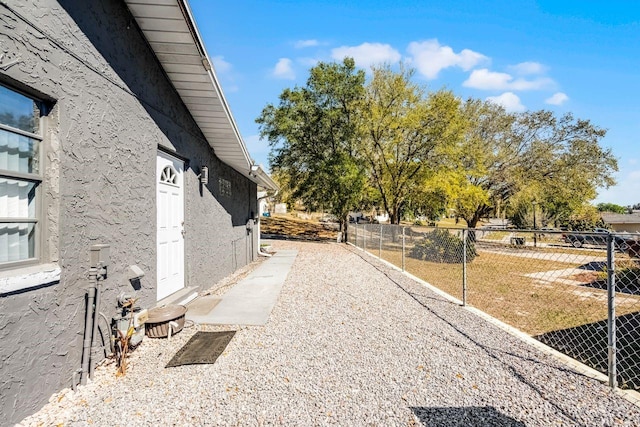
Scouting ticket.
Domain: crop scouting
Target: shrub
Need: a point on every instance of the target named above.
(440, 245)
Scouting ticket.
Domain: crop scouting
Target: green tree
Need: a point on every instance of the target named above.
(404, 135)
(585, 218)
(482, 174)
(312, 135)
(556, 162)
(611, 207)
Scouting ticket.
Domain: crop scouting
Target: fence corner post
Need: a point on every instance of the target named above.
(464, 266)
(611, 313)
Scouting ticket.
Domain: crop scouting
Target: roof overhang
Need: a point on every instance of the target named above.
(170, 30)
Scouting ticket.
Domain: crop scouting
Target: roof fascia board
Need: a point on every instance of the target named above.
(186, 10)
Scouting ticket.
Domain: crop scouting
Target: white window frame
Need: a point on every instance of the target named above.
(36, 178)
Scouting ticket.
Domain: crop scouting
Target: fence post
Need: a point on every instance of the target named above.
(611, 309)
(380, 247)
(464, 267)
(356, 232)
(402, 248)
(364, 237)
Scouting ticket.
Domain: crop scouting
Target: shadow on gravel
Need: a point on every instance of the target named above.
(465, 416)
(493, 353)
(588, 344)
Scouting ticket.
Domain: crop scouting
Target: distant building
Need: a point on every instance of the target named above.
(281, 208)
(629, 223)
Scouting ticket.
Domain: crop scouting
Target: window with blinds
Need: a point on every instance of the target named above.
(20, 177)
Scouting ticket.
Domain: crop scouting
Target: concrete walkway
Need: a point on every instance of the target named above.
(251, 300)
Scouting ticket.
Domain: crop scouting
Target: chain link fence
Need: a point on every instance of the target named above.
(576, 292)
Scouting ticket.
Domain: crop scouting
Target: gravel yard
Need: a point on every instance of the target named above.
(349, 343)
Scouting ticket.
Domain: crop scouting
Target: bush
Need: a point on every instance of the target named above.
(440, 245)
(627, 276)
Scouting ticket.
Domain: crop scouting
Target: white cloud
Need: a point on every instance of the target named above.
(283, 69)
(220, 65)
(300, 44)
(490, 80)
(430, 57)
(528, 68)
(509, 100)
(367, 54)
(557, 98)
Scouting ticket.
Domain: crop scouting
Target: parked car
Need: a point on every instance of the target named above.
(596, 237)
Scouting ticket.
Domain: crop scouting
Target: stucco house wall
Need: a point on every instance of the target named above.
(113, 106)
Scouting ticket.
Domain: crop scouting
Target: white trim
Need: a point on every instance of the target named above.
(28, 277)
(226, 140)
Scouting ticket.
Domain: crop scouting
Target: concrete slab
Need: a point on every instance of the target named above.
(251, 300)
(199, 309)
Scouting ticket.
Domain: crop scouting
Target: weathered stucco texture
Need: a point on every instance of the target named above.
(113, 107)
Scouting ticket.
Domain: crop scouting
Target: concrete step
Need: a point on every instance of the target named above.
(182, 297)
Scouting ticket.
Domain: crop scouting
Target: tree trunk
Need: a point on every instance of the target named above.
(344, 226)
(471, 225)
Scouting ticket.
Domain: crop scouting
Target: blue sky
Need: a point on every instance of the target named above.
(566, 56)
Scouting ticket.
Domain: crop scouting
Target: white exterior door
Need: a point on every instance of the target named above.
(170, 218)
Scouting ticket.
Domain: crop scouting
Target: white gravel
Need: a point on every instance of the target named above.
(350, 343)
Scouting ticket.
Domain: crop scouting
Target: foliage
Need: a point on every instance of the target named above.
(611, 207)
(312, 137)
(481, 169)
(404, 134)
(585, 218)
(123, 340)
(627, 276)
(556, 162)
(341, 145)
(24, 122)
(442, 246)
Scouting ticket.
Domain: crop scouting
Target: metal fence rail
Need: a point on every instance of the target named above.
(576, 292)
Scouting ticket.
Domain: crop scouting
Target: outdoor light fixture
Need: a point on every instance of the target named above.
(204, 175)
(254, 169)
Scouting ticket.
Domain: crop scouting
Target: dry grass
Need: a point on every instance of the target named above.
(496, 281)
(497, 284)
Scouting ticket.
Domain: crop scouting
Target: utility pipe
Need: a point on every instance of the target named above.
(88, 325)
(94, 334)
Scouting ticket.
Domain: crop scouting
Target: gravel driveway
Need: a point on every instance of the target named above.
(350, 343)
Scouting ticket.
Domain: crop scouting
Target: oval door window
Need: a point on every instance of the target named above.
(169, 175)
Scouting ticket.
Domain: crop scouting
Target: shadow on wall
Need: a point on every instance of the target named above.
(588, 344)
(464, 417)
(156, 95)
